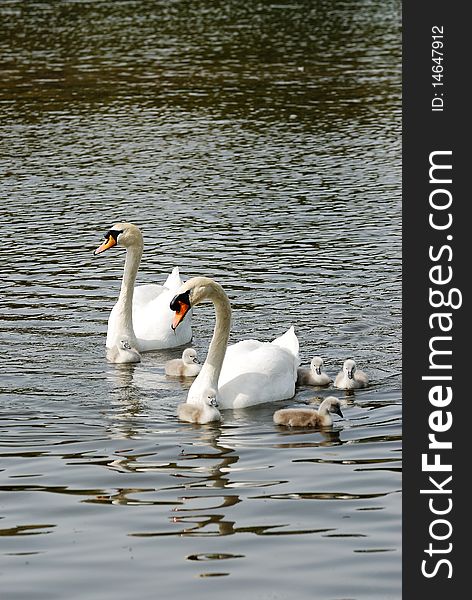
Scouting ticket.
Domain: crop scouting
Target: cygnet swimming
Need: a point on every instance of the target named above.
(314, 375)
(309, 417)
(350, 378)
(187, 366)
(123, 352)
(205, 411)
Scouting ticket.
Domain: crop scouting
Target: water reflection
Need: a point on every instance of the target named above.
(219, 556)
(27, 530)
(326, 437)
(294, 62)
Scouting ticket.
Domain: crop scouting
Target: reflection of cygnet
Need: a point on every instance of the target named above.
(308, 417)
(350, 378)
(123, 352)
(205, 411)
(314, 375)
(187, 366)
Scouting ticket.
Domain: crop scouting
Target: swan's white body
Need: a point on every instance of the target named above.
(152, 317)
(204, 412)
(308, 417)
(350, 378)
(255, 372)
(249, 372)
(187, 366)
(314, 375)
(141, 315)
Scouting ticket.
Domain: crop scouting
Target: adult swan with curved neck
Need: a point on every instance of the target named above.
(247, 373)
(141, 319)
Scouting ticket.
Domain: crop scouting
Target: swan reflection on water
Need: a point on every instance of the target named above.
(203, 478)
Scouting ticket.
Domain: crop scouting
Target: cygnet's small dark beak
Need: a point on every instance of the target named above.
(350, 374)
(338, 411)
(318, 370)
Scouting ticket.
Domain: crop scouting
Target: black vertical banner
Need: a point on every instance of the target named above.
(436, 326)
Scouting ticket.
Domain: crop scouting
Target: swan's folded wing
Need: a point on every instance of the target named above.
(173, 281)
(143, 294)
(265, 357)
(240, 349)
(289, 341)
(255, 372)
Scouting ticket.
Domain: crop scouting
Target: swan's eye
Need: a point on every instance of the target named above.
(111, 239)
(180, 302)
(114, 233)
(181, 305)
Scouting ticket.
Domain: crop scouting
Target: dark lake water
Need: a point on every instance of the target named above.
(257, 143)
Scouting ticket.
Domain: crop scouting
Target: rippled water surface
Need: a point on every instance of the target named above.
(254, 142)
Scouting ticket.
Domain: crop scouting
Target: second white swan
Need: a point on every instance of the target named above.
(244, 374)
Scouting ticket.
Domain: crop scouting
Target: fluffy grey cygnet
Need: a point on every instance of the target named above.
(187, 366)
(309, 417)
(314, 375)
(206, 411)
(350, 378)
(123, 352)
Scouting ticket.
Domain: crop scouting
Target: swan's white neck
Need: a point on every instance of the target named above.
(124, 306)
(210, 372)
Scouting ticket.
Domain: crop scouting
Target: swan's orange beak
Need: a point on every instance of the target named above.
(108, 243)
(180, 305)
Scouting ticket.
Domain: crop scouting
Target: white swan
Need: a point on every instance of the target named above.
(350, 377)
(308, 417)
(205, 411)
(141, 315)
(187, 366)
(247, 373)
(314, 375)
